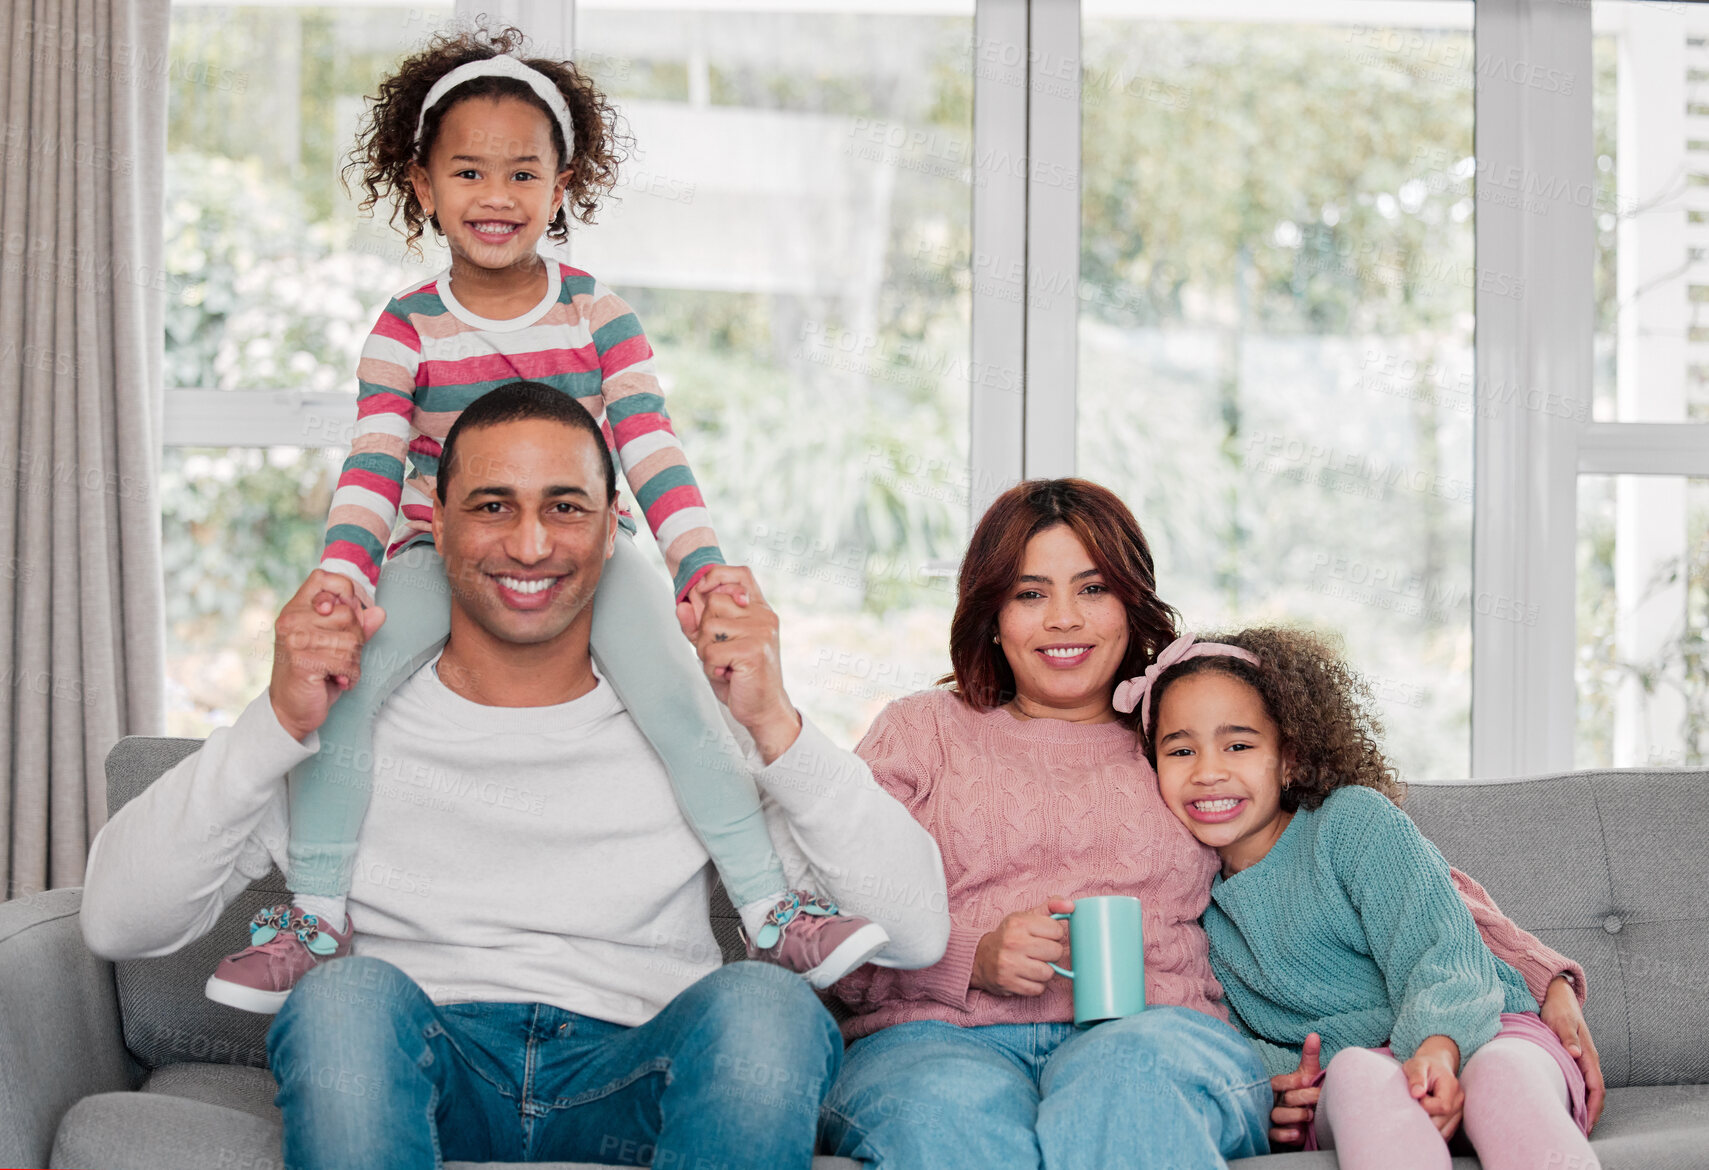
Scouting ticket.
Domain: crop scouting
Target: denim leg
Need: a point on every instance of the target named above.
(928, 1095)
(729, 1075)
(1170, 1088)
(369, 1076)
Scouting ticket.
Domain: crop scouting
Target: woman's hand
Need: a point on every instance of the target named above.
(1433, 1077)
(1296, 1096)
(1561, 1011)
(1015, 958)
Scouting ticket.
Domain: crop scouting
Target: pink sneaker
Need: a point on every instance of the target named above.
(810, 936)
(284, 944)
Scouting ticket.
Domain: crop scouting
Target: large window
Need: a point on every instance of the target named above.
(1643, 621)
(1643, 560)
(1276, 329)
(793, 232)
(1352, 364)
(281, 281)
(792, 229)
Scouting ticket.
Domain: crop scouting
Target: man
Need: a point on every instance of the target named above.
(535, 978)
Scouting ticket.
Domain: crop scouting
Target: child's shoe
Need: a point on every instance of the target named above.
(284, 945)
(810, 936)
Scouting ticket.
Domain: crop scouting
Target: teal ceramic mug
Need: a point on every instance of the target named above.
(1107, 940)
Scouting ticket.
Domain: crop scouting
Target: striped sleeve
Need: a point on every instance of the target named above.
(365, 503)
(647, 446)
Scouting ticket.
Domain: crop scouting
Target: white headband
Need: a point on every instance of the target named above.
(504, 66)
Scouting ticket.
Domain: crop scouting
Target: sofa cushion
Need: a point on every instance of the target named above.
(218, 1116)
(166, 1017)
(1317, 1160)
(1609, 868)
(150, 1131)
(1665, 1127)
(248, 1090)
(192, 1116)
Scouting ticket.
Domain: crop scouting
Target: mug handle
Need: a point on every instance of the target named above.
(1053, 966)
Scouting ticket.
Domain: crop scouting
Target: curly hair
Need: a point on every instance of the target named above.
(385, 141)
(1323, 709)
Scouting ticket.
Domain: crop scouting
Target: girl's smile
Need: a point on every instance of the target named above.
(1216, 810)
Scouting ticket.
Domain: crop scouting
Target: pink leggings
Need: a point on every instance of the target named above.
(1525, 1107)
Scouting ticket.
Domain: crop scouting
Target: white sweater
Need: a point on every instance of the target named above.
(531, 854)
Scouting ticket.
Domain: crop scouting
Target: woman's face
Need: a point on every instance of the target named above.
(1220, 764)
(1063, 631)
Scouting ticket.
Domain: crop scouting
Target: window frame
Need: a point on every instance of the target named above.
(1026, 230)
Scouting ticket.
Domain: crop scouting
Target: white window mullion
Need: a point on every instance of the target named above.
(1644, 449)
(1534, 328)
(999, 260)
(1053, 236)
(258, 418)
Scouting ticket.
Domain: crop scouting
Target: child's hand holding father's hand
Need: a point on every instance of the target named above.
(736, 637)
(317, 650)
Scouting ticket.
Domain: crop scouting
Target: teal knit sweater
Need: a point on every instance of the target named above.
(1350, 927)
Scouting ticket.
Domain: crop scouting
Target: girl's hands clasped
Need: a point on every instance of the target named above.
(1015, 958)
(1433, 1076)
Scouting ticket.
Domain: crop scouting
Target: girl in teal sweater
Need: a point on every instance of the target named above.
(1334, 915)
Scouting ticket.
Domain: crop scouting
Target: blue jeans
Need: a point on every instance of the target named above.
(373, 1074)
(1169, 1088)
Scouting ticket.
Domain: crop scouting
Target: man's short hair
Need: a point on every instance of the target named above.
(519, 402)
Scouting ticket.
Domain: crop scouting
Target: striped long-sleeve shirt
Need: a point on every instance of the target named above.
(429, 357)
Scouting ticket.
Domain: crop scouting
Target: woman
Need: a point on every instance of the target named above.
(1037, 793)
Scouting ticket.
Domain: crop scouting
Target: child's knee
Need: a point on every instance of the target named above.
(1513, 1061)
(1358, 1070)
(1505, 1057)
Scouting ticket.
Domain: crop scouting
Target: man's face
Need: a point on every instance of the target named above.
(525, 529)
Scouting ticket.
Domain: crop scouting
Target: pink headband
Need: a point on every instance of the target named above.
(1136, 692)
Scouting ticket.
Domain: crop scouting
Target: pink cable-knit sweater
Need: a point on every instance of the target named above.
(1026, 809)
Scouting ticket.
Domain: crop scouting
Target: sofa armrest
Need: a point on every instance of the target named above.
(60, 1038)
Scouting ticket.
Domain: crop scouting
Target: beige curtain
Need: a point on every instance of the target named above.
(83, 97)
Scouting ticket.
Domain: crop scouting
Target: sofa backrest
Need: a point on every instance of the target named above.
(167, 1019)
(1612, 869)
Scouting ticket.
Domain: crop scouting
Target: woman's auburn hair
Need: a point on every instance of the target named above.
(982, 676)
(386, 146)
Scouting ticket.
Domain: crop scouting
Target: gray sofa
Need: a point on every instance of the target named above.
(126, 1065)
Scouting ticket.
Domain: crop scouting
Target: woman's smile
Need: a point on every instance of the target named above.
(1066, 657)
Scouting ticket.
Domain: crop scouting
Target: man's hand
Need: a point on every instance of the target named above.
(737, 640)
(1432, 1075)
(1560, 1010)
(692, 607)
(317, 650)
(1015, 958)
(1296, 1096)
